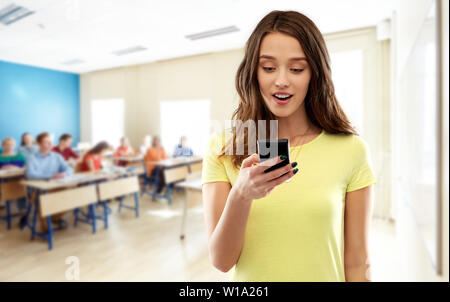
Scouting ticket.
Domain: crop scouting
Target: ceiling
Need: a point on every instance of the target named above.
(61, 31)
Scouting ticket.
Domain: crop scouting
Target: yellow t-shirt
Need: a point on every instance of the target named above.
(296, 233)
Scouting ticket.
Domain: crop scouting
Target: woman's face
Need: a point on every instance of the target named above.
(283, 74)
(28, 140)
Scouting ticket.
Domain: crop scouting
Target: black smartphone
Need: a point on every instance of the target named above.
(270, 148)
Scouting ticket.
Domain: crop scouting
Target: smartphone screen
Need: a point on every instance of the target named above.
(270, 148)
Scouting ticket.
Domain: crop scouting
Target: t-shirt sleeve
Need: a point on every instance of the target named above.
(362, 172)
(213, 168)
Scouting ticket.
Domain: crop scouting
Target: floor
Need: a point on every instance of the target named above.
(147, 248)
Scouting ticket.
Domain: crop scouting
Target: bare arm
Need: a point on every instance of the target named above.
(227, 208)
(356, 233)
(90, 164)
(226, 221)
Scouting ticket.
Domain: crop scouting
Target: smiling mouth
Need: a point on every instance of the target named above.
(282, 97)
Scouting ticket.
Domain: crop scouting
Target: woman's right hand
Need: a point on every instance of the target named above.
(253, 183)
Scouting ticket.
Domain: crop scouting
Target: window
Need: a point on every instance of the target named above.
(107, 118)
(347, 73)
(190, 118)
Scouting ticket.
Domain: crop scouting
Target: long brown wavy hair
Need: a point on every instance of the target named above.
(321, 105)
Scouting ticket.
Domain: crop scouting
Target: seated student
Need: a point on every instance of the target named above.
(145, 145)
(45, 164)
(155, 153)
(27, 145)
(182, 149)
(92, 160)
(9, 159)
(123, 150)
(64, 147)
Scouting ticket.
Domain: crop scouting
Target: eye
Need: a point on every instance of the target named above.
(269, 69)
(297, 70)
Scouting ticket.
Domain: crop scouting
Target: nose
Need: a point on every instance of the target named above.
(281, 80)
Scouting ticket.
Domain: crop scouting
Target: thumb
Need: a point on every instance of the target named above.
(250, 160)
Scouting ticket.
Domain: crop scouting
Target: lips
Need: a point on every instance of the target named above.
(282, 98)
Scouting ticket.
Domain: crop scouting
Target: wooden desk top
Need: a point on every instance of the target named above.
(79, 178)
(130, 158)
(12, 173)
(178, 161)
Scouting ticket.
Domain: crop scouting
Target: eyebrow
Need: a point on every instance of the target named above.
(291, 59)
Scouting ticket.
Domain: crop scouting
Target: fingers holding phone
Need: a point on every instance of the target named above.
(255, 182)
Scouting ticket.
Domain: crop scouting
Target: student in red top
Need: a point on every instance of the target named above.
(65, 141)
(92, 160)
(123, 150)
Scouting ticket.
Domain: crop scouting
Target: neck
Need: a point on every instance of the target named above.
(7, 153)
(297, 123)
(44, 152)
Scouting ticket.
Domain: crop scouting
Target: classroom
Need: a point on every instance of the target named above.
(109, 119)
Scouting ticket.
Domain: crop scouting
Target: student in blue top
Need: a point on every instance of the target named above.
(27, 146)
(182, 149)
(46, 164)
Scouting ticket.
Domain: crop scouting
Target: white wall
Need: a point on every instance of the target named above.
(209, 76)
(415, 261)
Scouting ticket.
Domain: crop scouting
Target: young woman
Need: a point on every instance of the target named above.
(27, 145)
(155, 153)
(123, 150)
(314, 227)
(92, 160)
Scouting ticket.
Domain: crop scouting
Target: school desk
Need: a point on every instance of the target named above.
(174, 169)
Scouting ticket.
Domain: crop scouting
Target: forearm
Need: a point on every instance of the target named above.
(358, 270)
(226, 241)
(32, 173)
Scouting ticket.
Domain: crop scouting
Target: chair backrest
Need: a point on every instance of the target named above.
(175, 174)
(12, 190)
(119, 187)
(70, 199)
(195, 167)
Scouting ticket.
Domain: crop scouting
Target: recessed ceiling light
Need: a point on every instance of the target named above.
(13, 13)
(128, 50)
(212, 33)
